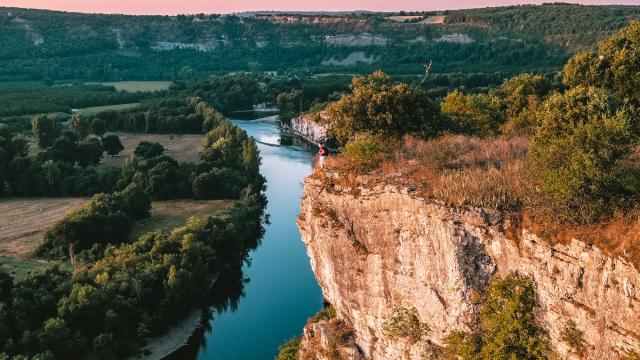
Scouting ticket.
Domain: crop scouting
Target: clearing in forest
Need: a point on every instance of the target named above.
(96, 109)
(133, 86)
(180, 147)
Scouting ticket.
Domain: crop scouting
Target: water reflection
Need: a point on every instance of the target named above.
(248, 320)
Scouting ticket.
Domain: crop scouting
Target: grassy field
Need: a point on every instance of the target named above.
(133, 86)
(23, 222)
(97, 109)
(166, 215)
(180, 147)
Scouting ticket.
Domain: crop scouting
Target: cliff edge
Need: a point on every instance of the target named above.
(377, 249)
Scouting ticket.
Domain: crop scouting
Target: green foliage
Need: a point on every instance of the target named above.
(367, 152)
(46, 129)
(289, 104)
(575, 156)
(574, 337)
(98, 125)
(90, 151)
(327, 313)
(289, 350)
(148, 150)
(405, 323)
(508, 327)
(614, 66)
(475, 114)
(380, 106)
(80, 125)
(112, 144)
(106, 219)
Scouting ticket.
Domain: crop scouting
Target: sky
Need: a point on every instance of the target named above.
(172, 7)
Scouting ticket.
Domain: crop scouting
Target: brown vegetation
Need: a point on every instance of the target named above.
(23, 222)
(465, 171)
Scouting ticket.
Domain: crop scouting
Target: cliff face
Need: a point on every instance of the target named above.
(306, 127)
(377, 249)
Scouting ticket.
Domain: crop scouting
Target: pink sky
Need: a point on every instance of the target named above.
(225, 6)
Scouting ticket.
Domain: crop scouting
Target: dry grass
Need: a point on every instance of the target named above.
(23, 222)
(96, 109)
(166, 215)
(490, 173)
(438, 19)
(133, 86)
(180, 147)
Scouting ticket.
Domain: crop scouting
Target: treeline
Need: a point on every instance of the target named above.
(63, 163)
(25, 100)
(109, 307)
(510, 39)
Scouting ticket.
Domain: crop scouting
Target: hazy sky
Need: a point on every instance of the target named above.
(225, 6)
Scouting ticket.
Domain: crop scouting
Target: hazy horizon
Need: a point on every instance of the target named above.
(164, 7)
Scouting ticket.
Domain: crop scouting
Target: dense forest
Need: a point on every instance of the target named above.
(115, 47)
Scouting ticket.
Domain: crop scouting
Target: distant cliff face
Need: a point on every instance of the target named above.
(310, 129)
(376, 249)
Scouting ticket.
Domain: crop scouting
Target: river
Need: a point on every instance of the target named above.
(271, 299)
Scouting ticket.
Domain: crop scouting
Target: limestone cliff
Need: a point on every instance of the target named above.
(374, 249)
(308, 128)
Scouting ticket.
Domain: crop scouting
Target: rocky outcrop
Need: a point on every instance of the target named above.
(329, 340)
(307, 127)
(376, 249)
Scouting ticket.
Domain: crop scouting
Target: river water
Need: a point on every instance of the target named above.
(254, 311)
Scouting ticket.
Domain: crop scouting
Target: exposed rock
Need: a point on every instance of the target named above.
(328, 340)
(382, 248)
(308, 128)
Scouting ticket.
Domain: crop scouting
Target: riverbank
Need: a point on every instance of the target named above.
(177, 336)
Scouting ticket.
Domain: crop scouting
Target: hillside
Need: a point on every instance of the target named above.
(37, 44)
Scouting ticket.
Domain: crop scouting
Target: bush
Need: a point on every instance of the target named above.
(148, 150)
(575, 156)
(405, 323)
(367, 152)
(475, 114)
(112, 144)
(508, 327)
(289, 350)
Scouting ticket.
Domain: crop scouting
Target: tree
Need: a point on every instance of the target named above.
(112, 144)
(98, 126)
(381, 106)
(79, 125)
(46, 129)
(65, 148)
(476, 114)
(289, 105)
(148, 150)
(90, 151)
(575, 156)
(615, 65)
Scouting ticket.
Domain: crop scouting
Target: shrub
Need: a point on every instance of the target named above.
(574, 337)
(575, 156)
(148, 150)
(327, 313)
(508, 327)
(289, 350)
(367, 152)
(405, 323)
(475, 114)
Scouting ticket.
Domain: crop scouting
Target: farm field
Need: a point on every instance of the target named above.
(96, 109)
(133, 86)
(23, 222)
(180, 147)
(169, 214)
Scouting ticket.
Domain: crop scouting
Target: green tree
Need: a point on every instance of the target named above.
(575, 156)
(289, 105)
(90, 151)
(289, 350)
(380, 106)
(46, 129)
(508, 328)
(98, 126)
(112, 144)
(476, 114)
(80, 125)
(148, 150)
(614, 65)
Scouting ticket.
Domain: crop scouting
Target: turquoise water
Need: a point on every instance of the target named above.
(271, 299)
